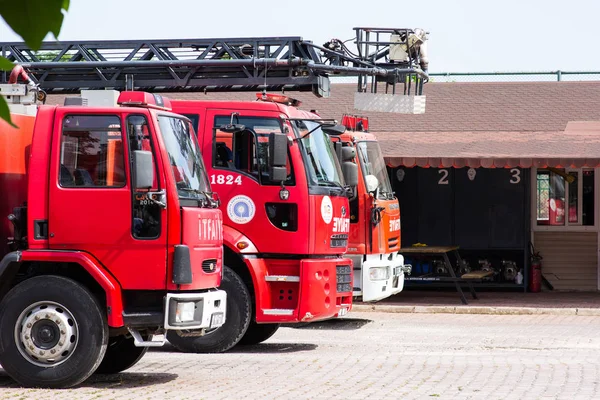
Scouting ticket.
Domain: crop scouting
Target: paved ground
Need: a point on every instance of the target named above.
(450, 297)
(374, 355)
(489, 302)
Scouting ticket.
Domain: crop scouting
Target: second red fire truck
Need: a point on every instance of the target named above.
(286, 216)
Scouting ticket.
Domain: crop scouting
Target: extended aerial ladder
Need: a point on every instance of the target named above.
(392, 56)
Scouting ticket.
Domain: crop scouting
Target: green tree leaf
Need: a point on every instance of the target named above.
(5, 112)
(5, 65)
(34, 19)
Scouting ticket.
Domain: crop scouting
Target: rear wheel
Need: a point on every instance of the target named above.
(258, 333)
(121, 354)
(53, 332)
(237, 319)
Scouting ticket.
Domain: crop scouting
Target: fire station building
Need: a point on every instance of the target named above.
(494, 168)
(497, 169)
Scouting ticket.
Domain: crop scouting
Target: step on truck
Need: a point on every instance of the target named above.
(375, 228)
(285, 215)
(110, 235)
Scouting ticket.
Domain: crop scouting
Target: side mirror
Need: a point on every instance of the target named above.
(372, 183)
(350, 171)
(142, 169)
(333, 130)
(278, 174)
(348, 153)
(278, 143)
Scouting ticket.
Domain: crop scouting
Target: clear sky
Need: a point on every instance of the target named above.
(465, 35)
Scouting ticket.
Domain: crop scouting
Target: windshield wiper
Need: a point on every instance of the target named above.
(209, 199)
(197, 191)
(384, 193)
(345, 189)
(333, 183)
(309, 132)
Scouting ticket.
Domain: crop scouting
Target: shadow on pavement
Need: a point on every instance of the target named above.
(343, 324)
(128, 379)
(257, 348)
(167, 348)
(274, 348)
(124, 380)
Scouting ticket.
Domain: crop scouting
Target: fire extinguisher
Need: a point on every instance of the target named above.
(535, 272)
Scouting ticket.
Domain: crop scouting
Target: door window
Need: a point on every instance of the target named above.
(247, 152)
(146, 214)
(91, 152)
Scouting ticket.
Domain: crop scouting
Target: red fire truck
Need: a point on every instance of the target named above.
(285, 233)
(374, 218)
(111, 236)
(285, 212)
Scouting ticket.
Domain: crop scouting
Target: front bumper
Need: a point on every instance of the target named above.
(195, 310)
(301, 290)
(378, 276)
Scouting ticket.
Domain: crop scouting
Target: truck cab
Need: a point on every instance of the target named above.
(286, 216)
(375, 228)
(112, 236)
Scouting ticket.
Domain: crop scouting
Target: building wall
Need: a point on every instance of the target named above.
(487, 214)
(570, 259)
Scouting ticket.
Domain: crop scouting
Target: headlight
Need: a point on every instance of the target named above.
(185, 312)
(379, 273)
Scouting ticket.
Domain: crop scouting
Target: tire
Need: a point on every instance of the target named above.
(237, 319)
(64, 310)
(258, 333)
(121, 354)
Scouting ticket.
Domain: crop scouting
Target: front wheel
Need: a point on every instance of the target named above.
(258, 333)
(121, 354)
(53, 332)
(237, 319)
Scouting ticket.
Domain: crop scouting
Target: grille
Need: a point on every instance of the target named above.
(343, 278)
(393, 242)
(209, 266)
(340, 240)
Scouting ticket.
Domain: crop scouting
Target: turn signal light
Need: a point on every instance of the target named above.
(242, 245)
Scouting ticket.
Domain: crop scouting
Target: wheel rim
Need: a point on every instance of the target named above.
(46, 334)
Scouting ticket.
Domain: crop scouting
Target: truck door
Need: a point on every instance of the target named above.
(92, 205)
(237, 165)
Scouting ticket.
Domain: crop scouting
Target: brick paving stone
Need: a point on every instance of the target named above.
(373, 355)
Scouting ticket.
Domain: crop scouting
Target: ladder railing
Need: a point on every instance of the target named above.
(233, 64)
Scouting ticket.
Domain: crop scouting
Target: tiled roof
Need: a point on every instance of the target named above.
(470, 120)
(457, 107)
(471, 107)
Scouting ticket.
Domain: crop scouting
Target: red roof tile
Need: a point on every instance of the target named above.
(457, 107)
(471, 120)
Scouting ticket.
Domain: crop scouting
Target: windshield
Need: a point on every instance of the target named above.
(372, 163)
(322, 163)
(184, 157)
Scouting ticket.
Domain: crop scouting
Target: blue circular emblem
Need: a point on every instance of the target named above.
(241, 209)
